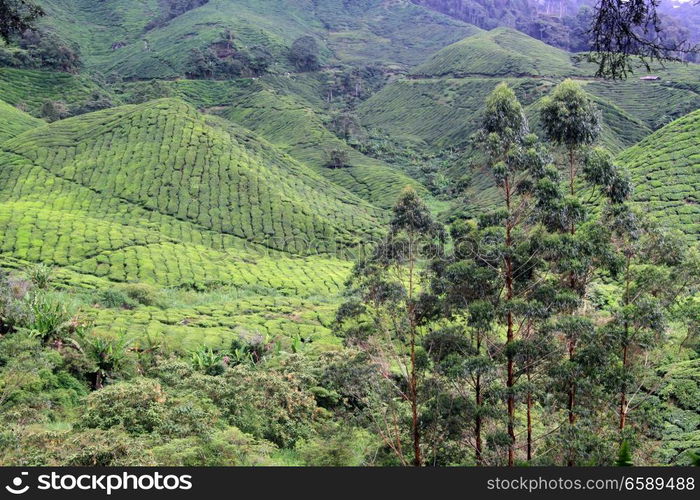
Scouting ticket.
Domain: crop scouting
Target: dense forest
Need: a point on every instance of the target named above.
(344, 233)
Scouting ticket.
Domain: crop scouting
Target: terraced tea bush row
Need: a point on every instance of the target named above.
(29, 89)
(665, 169)
(13, 121)
(120, 37)
(499, 52)
(654, 103)
(275, 319)
(296, 129)
(165, 157)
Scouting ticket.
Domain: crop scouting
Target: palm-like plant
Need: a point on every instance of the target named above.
(206, 360)
(107, 355)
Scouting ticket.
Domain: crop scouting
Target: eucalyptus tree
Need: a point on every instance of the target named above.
(463, 351)
(658, 273)
(383, 313)
(582, 245)
(509, 239)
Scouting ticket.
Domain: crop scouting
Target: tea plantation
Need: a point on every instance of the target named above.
(121, 36)
(182, 211)
(665, 168)
(499, 52)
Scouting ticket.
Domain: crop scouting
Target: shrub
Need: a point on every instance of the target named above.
(207, 361)
(115, 298)
(228, 447)
(335, 446)
(188, 415)
(171, 371)
(136, 406)
(35, 387)
(85, 448)
(14, 308)
(40, 275)
(54, 110)
(337, 158)
(48, 317)
(264, 403)
(304, 53)
(142, 293)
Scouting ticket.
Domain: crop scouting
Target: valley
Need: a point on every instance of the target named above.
(188, 212)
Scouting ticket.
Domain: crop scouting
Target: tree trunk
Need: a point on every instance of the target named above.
(625, 348)
(477, 421)
(571, 404)
(417, 460)
(529, 419)
(413, 382)
(623, 390)
(510, 382)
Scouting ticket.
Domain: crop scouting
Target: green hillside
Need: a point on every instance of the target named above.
(295, 128)
(499, 52)
(160, 194)
(209, 255)
(665, 168)
(30, 89)
(438, 112)
(14, 121)
(165, 157)
(115, 36)
(655, 103)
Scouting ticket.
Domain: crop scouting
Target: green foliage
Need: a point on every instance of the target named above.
(336, 447)
(304, 54)
(17, 16)
(30, 89)
(85, 448)
(228, 447)
(624, 456)
(14, 121)
(499, 52)
(34, 386)
(177, 266)
(135, 41)
(136, 406)
(40, 49)
(207, 361)
(40, 275)
(569, 117)
(664, 169)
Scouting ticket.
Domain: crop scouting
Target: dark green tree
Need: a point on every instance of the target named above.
(509, 238)
(582, 244)
(383, 313)
(305, 53)
(658, 273)
(17, 16)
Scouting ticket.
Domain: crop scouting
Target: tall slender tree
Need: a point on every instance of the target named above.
(658, 273)
(385, 291)
(572, 123)
(509, 239)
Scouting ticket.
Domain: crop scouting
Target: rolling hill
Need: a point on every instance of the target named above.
(499, 52)
(29, 89)
(13, 121)
(439, 104)
(166, 158)
(665, 169)
(121, 36)
(297, 129)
